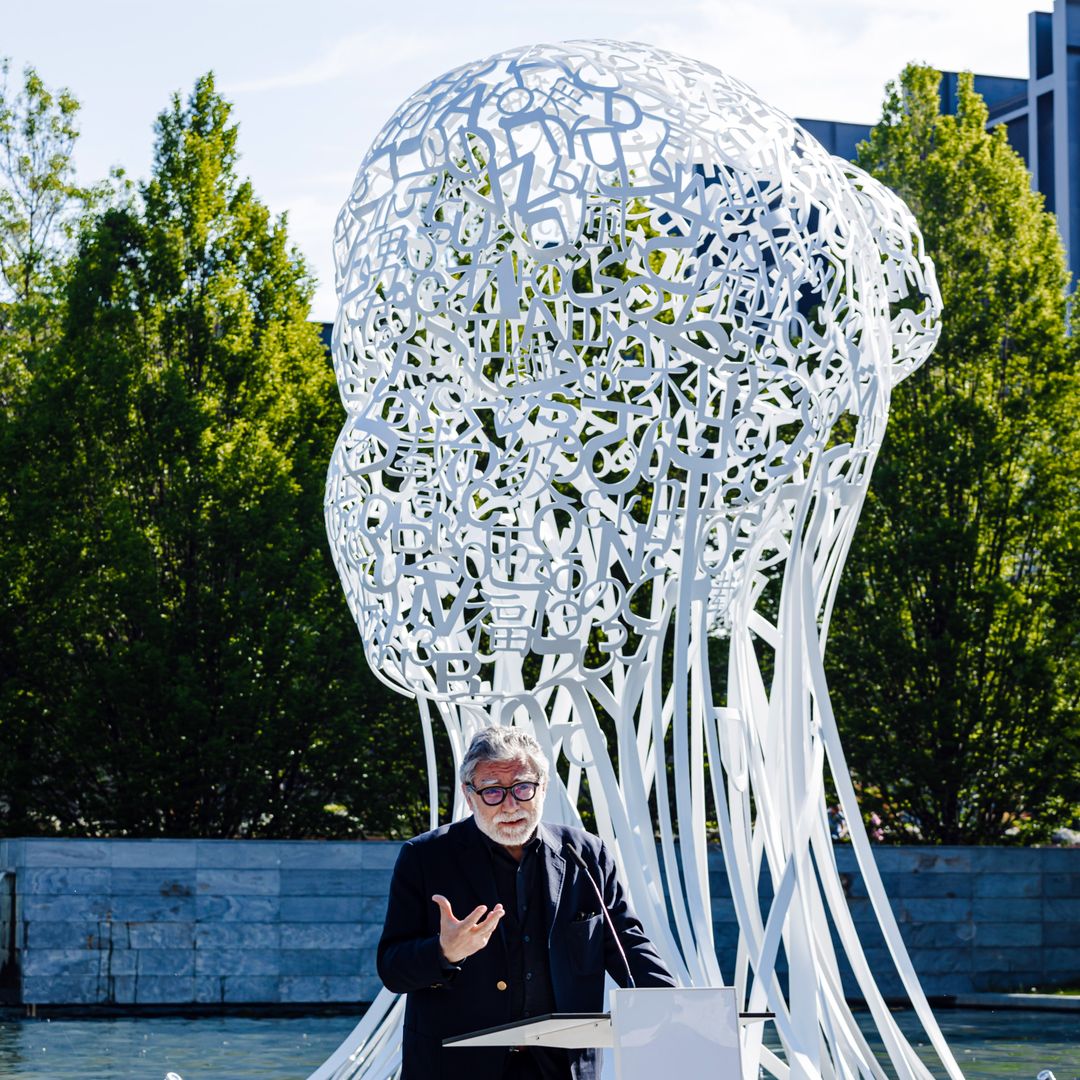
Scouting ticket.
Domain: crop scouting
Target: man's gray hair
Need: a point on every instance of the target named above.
(503, 744)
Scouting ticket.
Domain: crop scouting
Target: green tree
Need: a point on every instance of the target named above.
(39, 208)
(185, 663)
(953, 651)
(39, 199)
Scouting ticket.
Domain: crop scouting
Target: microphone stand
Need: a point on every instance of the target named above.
(576, 856)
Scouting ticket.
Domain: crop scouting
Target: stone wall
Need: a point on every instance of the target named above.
(182, 921)
(204, 921)
(974, 919)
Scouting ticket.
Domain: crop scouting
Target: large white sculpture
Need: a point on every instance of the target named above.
(616, 341)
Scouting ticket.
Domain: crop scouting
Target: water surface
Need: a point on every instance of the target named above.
(990, 1045)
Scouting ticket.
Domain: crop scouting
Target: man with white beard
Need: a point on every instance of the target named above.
(494, 919)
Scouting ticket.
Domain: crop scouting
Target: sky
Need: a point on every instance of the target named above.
(312, 83)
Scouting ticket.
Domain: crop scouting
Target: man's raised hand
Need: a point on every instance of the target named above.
(459, 938)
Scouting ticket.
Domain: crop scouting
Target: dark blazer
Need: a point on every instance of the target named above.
(441, 1002)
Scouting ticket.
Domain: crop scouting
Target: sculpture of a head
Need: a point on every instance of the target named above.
(599, 306)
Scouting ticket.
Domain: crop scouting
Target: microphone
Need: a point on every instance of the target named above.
(576, 855)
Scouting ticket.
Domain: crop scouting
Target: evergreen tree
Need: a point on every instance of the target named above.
(186, 664)
(953, 649)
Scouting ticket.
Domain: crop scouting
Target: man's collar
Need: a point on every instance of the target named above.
(546, 836)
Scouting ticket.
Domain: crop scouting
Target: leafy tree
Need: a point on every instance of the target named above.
(39, 199)
(39, 207)
(953, 651)
(185, 664)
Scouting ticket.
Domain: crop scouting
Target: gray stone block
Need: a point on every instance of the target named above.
(327, 961)
(853, 884)
(65, 935)
(1007, 886)
(1063, 959)
(1065, 934)
(56, 853)
(237, 962)
(1005, 959)
(1061, 860)
(135, 908)
(936, 910)
(63, 880)
(380, 854)
(889, 987)
(326, 854)
(252, 988)
(1061, 885)
(719, 886)
(846, 861)
(64, 908)
(1059, 909)
(60, 962)
(936, 860)
(942, 984)
(882, 967)
(1007, 982)
(723, 910)
(120, 961)
(175, 962)
(373, 909)
(993, 909)
(172, 935)
(164, 989)
(209, 989)
(937, 935)
(726, 936)
(325, 909)
(330, 935)
(238, 935)
(1006, 860)
(862, 911)
(60, 990)
(237, 908)
(121, 989)
(308, 988)
(920, 885)
(221, 882)
(1025, 934)
(333, 882)
(871, 936)
(153, 881)
(169, 854)
(375, 882)
(239, 854)
(942, 960)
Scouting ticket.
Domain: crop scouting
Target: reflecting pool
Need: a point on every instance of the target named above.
(148, 1047)
(990, 1045)
(994, 1044)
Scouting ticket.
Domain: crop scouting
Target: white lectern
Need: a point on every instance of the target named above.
(653, 1031)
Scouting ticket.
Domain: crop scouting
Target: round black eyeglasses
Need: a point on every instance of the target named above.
(492, 796)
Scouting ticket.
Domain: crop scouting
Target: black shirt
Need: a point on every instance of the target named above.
(521, 888)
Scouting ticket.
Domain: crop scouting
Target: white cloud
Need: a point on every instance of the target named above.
(831, 60)
(368, 55)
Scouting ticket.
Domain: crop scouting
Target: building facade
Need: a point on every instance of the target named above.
(1041, 114)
